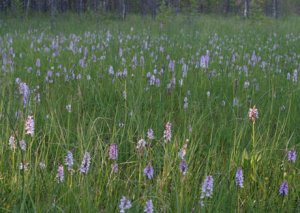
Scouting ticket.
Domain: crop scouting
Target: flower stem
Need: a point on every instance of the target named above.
(253, 136)
(253, 157)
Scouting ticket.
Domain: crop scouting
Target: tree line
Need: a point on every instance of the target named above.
(245, 8)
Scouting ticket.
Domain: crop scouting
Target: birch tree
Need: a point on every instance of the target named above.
(275, 8)
(246, 8)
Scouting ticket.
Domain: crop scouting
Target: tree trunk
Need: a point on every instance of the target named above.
(246, 8)
(95, 5)
(227, 9)
(45, 5)
(53, 10)
(80, 6)
(123, 9)
(27, 8)
(275, 8)
(143, 10)
(153, 8)
(108, 5)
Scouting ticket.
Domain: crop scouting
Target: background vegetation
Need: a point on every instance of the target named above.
(247, 8)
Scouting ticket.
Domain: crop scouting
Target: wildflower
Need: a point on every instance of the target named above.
(120, 52)
(284, 188)
(18, 81)
(141, 145)
(190, 129)
(134, 61)
(254, 58)
(204, 60)
(185, 103)
(235, 101)
(150, 134)
(148, 74)
(239, 179)
(25, 91)
(115, 168)
(295, 76)
(69, 108)
(22, 144)
(29, 126)
(60, 174)
(142, 61)
(157, 82)
(245, 69)
(282, 108)
(42, 165)
(124, 204)
(184, 70)
(24, 166)
(173, 81)
(180, 82)
(37, 98)
(171, 65)
(38, 63)
(125, 72)
(113, 152)
(182, 151)
(223, 103)
(111, 70)
(4, 59)
(11, 52)
(49, 74)
(207, 189)
(152, 80)
(183, 167)
(69, 161)
(86, 51)
(208, 94)
(253, 114)
(149, 207)
(168, 132)
(29, 69)
(292, 155)
(131, 113)
(233, 58)
(149, 171)
(12, 142)
(85, 164)
(246, 84)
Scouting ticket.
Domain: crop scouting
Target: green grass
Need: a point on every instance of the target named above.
(219, 133)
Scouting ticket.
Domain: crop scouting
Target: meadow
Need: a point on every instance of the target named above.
(182, 114)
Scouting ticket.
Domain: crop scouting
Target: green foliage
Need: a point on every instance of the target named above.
(164, 12)
(189, 6)
(257, 9)
(289, 7)
(17, 7)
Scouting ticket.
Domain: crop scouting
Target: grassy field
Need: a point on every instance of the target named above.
(112, 116)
